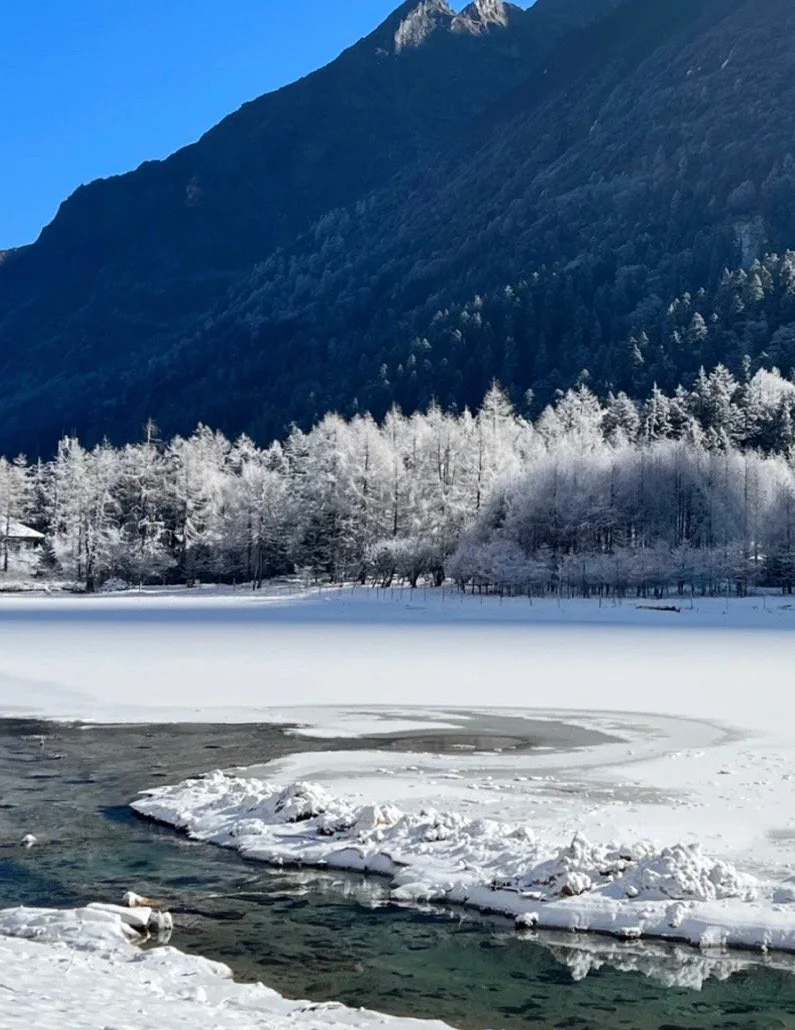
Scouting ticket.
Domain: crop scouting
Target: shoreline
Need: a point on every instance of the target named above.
(631, 891)
(78, 968)
(508, 910)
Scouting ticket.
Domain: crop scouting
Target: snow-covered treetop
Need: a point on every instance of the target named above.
(623, 488)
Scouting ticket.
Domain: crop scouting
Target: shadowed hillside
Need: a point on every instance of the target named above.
(347, 242)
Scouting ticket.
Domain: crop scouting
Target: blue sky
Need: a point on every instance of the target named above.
(95, 87)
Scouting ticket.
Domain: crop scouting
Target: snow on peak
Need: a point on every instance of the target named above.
(429, 15)
(421, 23)
(481, 15)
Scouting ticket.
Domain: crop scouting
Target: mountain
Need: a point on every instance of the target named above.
(495, 191)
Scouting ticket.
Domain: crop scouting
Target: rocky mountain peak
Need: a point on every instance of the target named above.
(427, 17)
(481, 15)
(421, 22)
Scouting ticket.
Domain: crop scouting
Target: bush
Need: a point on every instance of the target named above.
(114, 585)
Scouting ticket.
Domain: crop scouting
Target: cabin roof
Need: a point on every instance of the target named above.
(19, 531)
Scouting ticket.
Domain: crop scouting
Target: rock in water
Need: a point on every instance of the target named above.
(133, 900)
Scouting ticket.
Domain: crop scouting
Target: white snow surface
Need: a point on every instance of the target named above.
(217, 656)
(78, 969)
(631, 890)
(700, 699)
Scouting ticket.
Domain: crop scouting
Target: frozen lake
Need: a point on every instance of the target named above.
(227, 658)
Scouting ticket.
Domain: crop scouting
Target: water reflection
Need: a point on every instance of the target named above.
(670, 965)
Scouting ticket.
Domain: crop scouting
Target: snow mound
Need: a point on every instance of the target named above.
(96, 928)
(683, 873)
(639, 871)
(302, 801)
(628, 890)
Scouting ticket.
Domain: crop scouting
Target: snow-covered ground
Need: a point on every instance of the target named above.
(223, 656)
(698, 702)
(78, 969)
(626, 887)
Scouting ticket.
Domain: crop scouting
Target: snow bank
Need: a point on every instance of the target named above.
(91, 929)
(78, 969)
(98, 926)
(629, 890)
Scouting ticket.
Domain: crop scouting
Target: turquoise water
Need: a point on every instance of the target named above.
(321, 936)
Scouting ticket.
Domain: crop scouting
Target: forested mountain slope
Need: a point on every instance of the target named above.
(347, 242)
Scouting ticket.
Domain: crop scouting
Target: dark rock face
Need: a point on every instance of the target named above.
(303, 253)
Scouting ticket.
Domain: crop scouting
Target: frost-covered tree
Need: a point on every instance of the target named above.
(258, 517)
(196, 478)
(143, 498)
(82, 511)
(16, 497)
(689, 492)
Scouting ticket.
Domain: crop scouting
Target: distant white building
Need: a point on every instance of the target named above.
(18, 537)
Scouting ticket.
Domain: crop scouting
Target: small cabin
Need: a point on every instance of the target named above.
(18, 537)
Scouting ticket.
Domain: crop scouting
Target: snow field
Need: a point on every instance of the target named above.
(246, 658)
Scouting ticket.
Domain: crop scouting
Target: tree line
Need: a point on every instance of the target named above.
(692, 491)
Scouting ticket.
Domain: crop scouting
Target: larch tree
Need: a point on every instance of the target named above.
(16, 496)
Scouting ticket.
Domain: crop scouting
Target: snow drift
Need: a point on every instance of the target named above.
(631, 890)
